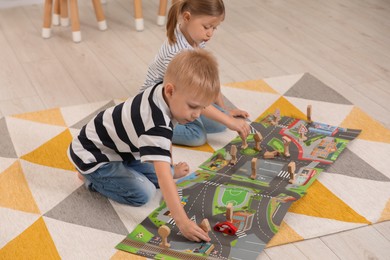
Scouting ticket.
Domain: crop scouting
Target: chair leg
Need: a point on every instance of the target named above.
(74, 13)
(162, 10)
(139, 20)
(56, 13)
(46, 29)
(64, 13)
(102, 24)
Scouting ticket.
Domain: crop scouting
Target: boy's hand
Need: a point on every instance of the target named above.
(192, 231)
(239, 125)
(181, 169)
(238, 113)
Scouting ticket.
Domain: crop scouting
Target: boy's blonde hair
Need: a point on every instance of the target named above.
(194, 7)
(195, 72)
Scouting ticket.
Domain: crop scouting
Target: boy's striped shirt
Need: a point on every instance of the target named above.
(138, 129)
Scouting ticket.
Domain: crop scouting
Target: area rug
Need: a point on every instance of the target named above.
(45, 211)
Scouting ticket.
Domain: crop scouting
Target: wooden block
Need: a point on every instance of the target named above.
(233, 154)
(286, 142)
(244, 144)
(205, 225)
(208, 251)
(308, 114)
(270, 155)
(258, 138)
(229, 212)
(291, 170)
(253, 168)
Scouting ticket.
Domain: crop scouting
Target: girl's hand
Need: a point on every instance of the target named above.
(238, 113)
(192, 231)
(181, 169)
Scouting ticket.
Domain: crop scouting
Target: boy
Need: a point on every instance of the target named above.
(125, 151)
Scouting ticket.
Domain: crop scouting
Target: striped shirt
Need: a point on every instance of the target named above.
(157, 68)
(138, 129)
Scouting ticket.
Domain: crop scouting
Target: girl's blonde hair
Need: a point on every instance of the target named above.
(196, 73)
(194, 7)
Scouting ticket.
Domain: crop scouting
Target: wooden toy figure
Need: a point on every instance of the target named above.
(233, 154)
(205, 225)
(286, 142)
(253, 168)
(291, 170)
(164, 232)
(308, 114)
(244, 144)
(270, 155)
(258, 138)
(229, 212)
(276, 117)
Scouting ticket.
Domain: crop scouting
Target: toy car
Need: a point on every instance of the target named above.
(225, 227)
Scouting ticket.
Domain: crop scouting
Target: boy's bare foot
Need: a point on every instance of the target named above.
(81, 177)
(181, 169)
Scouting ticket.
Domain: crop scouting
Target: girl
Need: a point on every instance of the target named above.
(191, 23)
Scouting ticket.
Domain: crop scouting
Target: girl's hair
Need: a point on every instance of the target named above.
(195, 72)
(194, 7)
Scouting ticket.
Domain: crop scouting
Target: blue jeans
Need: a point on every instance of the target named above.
(133, 183)
(195, 133)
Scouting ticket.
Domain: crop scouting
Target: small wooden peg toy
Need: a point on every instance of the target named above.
(164, 232)
(229, 212)
(253, 168)
(276, 117)
(244, 144)
(308, 114)
(291, 170)
(270, 155)
(233, 154)
(205, 225)
(258, 138)
(286, 143)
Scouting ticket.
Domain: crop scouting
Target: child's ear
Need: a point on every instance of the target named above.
(186, 16)
(169, 89)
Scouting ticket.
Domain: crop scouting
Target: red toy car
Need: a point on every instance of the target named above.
(226, 227)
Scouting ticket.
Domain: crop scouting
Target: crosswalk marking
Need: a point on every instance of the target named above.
(240, 233)
(284, 174)
(180, 192)
(212, 183)
(171, 221)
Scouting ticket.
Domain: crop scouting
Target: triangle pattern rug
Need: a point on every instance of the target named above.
(46, 212)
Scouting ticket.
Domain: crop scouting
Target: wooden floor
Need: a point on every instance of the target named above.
(344, 43)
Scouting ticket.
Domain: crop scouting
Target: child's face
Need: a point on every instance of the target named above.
(200, 28)
(184, 107)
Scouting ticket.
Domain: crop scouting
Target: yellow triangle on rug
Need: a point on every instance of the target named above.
(15, 191)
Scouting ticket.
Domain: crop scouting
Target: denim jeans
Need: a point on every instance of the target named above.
(195, 133)
(133, 183)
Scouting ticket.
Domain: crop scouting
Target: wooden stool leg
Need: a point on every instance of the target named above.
(162, 10)
(56, 13)
(102, 24)
(64, 13)
(46, 29)
(74, 13)
(139, 20)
